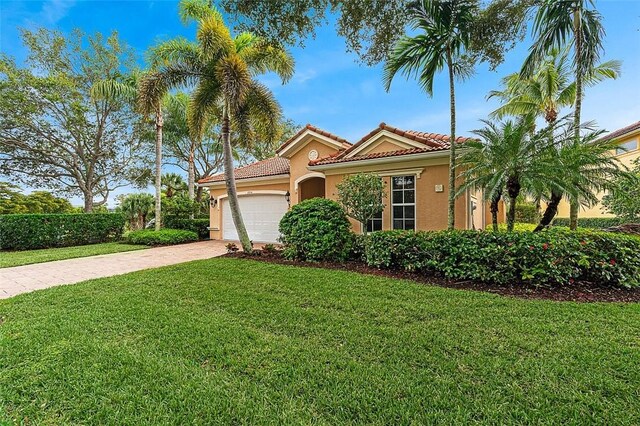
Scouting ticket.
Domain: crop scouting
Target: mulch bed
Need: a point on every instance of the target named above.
(584, 292)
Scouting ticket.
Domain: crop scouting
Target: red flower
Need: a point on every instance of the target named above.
(545, 246)
(583, 242)
(612, 261)
(530, 247)
(571, 280)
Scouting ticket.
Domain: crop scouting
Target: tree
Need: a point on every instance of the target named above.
(223, 70)
(173, 184)
(371, 28)
(13, 201)
(559, 23)
(623, 199)
(362, 197)
(52, 130)
(136, 208)
(445, 28)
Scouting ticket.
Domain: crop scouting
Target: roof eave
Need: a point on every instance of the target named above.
(382, 160)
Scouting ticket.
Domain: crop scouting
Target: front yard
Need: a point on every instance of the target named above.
(28, 257)
(233, 341)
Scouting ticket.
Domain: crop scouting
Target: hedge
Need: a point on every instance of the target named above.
(36, 231)
(200, 226)
(553, 257)
(163, 237)
(591, 222)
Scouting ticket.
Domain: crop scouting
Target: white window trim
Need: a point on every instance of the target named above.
(415, 202)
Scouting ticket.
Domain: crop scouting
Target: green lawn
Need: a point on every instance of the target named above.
(231, 341)
(27, 257)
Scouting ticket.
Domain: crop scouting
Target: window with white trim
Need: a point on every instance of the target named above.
(627, 146)
(403, 202)
(375, 223)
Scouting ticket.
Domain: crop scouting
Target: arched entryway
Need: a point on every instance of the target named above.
(310, 186)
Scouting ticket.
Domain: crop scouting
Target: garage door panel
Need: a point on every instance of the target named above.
(261, 214)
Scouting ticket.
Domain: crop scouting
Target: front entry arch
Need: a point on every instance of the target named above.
(309, 186)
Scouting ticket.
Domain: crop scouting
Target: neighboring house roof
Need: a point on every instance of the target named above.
(431, 142)
(622, 132)
(270, 167)
(345, 143)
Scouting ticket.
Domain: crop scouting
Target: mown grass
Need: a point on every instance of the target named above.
(230, 341)
(27, 257)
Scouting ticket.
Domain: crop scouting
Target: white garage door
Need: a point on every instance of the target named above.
(261, 214)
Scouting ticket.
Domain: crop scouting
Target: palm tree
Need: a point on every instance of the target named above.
(222, 68)
(568, 22)
(173, 184)
(127, 90)
(445, 28)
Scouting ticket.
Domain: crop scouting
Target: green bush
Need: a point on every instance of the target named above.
(199, 226)
(36, 231)
(527, 213)
(545, 258)
(315, 230)
(163, 237)
(591, 222)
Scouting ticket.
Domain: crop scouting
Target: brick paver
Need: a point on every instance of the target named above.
(23, 279)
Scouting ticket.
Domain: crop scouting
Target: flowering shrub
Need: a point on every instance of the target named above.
(545, 258)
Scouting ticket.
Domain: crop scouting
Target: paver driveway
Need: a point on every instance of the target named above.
(23, 279)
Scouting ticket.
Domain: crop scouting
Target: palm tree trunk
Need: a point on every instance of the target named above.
(550, 212)
(495, 203)
(577, 31)
(451, 216)
(191, 176)
(159, 124)
(513, 190)
(230, 181)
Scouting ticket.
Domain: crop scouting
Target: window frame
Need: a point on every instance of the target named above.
(403, 204)
(635, 145)
(371, 221)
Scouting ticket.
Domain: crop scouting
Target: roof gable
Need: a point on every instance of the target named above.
(308, 133)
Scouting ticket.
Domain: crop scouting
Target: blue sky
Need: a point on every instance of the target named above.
(330, 88)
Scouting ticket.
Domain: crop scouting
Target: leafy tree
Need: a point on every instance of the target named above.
(445, 34)
(371, 27)
(577, 23)
(137, 208)
(362, 197)
(223, 70)
(13, 201)
(623, 199)
(173, 184)
(52, 130)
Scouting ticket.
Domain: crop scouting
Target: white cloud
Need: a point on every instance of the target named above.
(54, 10)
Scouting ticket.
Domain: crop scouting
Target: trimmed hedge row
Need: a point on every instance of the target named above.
(199, 226)
(591, 222)
(36, 231)
(163, 237)
(554, 257)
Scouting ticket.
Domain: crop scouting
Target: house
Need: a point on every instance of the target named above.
(627, 152)
(414, 166)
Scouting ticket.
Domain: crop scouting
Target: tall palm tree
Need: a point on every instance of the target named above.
(568, 22)
(445, 29)
(223, 69)
(127, 89)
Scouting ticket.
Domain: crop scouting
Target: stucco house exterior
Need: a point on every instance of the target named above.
(414, 166)
(628, 151)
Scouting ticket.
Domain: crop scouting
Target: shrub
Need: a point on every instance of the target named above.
(163, 237)
(231, 248)
(36, 231)
(544, 258)
(315, 230)
(527, 213)
(199, 226)
(270, 249)
(591, 222)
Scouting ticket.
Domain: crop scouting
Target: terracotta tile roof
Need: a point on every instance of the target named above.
(269, 167)
(345, 143)
(621, 132)
(341, 159)
(432, 142)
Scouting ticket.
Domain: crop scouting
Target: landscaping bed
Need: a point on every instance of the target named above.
(579, 291)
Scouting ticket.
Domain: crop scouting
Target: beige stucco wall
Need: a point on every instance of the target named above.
(215, 218)
(598, 210)
(299, 161)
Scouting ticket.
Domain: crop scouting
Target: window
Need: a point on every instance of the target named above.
(627, 146)
(375, 223)
(403, 199)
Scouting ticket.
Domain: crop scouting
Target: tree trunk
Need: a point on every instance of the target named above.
(88, 202)
(191, 174)
(230, 181)
(550, 212)
(451, 218)
(513, 189)
(495, 203)
(577, 31)
(159, 123)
